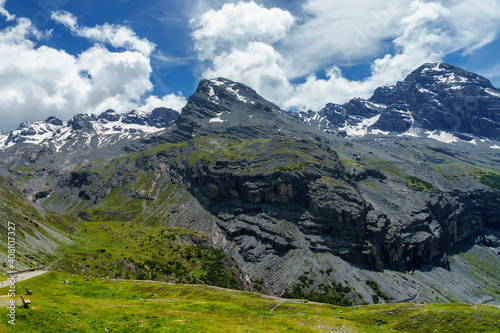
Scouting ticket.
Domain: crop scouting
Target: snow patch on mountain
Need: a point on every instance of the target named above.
(217, 119)
(108, 128)
(492, 92)
(441, 136)
(361, 129)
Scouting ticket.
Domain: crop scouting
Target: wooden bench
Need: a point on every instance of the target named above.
(28, 291)
(26, 302)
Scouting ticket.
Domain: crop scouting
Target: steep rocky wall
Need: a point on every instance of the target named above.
(406, 240)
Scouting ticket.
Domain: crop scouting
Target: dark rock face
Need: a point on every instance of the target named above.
(109, 115)
(162, 117)
(424, 236)
(435, 97)
(54, 121)
(446, 98)
(81, 122)
(253, 199)
(89, 186)
(134, 117)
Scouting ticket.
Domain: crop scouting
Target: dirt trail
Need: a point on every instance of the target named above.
(22, 277)
(4, 300)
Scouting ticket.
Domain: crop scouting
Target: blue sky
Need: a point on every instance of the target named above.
(62, 57)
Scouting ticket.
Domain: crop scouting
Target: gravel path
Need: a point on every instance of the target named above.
(22, 277)
(4, 300)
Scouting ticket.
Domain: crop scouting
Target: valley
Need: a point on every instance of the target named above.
(390, 216)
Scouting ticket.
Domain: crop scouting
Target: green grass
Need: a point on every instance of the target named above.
(378, 293)
(490, 179)
(132, 251)
(335, 183)
(388, 167)
(456, 171)
(415, 183)
(127, 306)
(418, 184)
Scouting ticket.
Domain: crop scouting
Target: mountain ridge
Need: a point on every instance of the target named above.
(436, 100)
(54, 132)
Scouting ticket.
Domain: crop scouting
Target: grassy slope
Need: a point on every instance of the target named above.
(127, 306)
(37, 232)
(110, 249)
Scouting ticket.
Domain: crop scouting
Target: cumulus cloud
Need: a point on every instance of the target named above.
(117, 36)
(234, 26)
(173, 101)
(35, 80)
(342, 32)
(8, 16)
(331, 33)
(40, 81)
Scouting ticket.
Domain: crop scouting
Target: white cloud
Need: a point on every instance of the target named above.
(331, 33)
(475, 23)
(234, 26)
(124, 74)
(8, 16)
(341, 32)
(40, 81)
(115, 35)
(173, 101)
(65, 18)
(36, 80)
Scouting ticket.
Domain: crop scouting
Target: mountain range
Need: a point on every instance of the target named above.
(436, 101)
(402, 189)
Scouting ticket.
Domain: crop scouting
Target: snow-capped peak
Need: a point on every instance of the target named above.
(107, 128)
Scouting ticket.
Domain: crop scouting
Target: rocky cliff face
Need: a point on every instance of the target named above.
(285, 194)
(427, 235)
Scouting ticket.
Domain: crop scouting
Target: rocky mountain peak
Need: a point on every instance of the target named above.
(436, 100)
(84, 131)
(135, 117)
(81, 122)
(161, 117)
(109, 115)
(444, 74)
(221, 88)
(54, 121)
(431, 77)
(221, 106)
